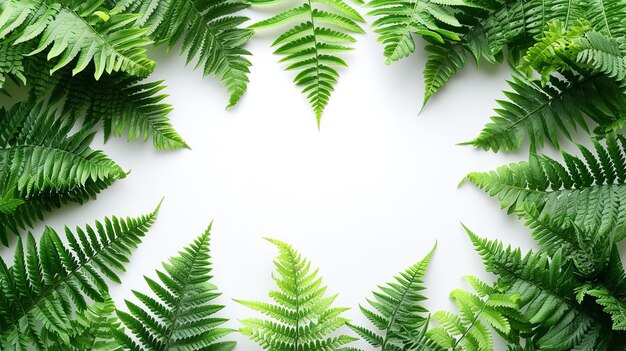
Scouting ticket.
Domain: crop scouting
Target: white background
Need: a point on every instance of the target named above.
(363, 198)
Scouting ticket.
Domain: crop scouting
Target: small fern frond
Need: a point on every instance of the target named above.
(209, 31)
(398, 21)
(398, 312)
(95, 328)
(469, 330)
(181, 314)
(603, 54)
(311, 44)
(588, 191)
(48, 281)
(540, 113)
(42, 166)
(302, 316)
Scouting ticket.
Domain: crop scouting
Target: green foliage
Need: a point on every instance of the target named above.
(398, 312)
(43, 166)
(490, 306)
(490, 26)
(552, 286)
(181, 315)
(587, 87)
(209, 32)
(588, 191)
(540, 113)
(47, 282)
(311, 44)
(399, 21)
(301, 316)
(111, 42)
(95, 328)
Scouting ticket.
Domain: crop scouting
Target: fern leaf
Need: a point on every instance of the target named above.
(95, 328)
(469, 329)
(111, 42)
(399, 21)
(209, 31)
(12, 62)
(546, 112)
(311, 44)
(398, 310)
(588, 191)
(181, 314)
(301, 317)
(546, 285)
(603, 54)
(48, 281)
(43, 166)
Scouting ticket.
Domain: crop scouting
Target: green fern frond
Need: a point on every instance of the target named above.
(588, 191)
(469, 330)
(48, 281)
(603, 54)
(95, 328)
(111, 42)
(546, 284)
(301, 317)
(398, 312)
(398, 21)
(43, 166)
(542, 113)
(311, 45)
(12, 62)
(209, 31)
(180, 317)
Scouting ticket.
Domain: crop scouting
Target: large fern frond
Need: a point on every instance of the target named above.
(546, 284)
(398, 312)
(311, 45)
(43, 166)
(209, 31)
(180, 317)
(489, 307)
(540, 113)
(398, 21)
(48, 281)
(588, 191)
(301, 316)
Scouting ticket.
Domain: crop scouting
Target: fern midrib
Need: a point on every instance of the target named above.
(606, 21)
(44, 294)
(213, 34)
(317, 62)
(392, 319)
(474, 321)
(549, 101)
(175, 310)
(405, 30)
(103, 39)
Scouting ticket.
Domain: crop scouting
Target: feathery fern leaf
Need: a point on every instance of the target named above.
(48, 281)
(181, 317)
(588, 191)
(545, 112)
(42, 166)
(210, 34)
(302, 317)
(399, 20)
(12, 62)
(398, 311)
(603, 54)
(95, 328)
(469, 330)
(546, 284)
(310, 46)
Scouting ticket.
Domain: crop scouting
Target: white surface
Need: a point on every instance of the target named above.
(363, 198)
